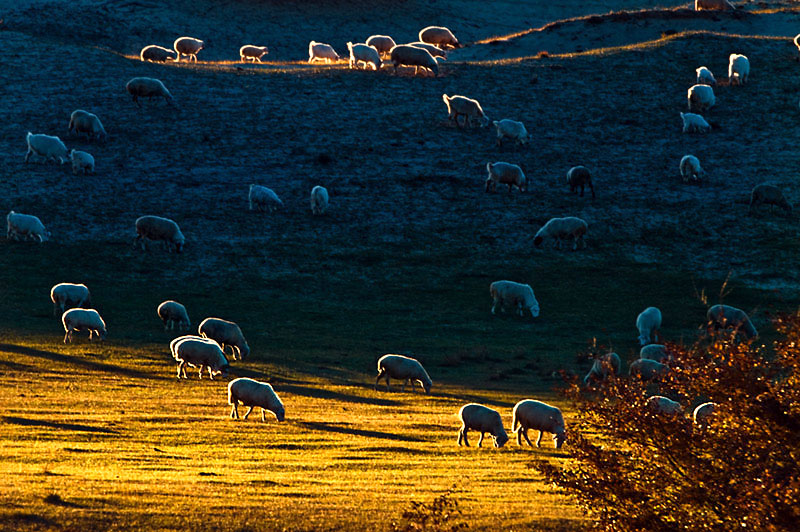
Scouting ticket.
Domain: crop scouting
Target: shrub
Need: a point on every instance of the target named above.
(441, 514)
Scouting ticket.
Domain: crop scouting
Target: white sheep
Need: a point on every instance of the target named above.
(657, 352)
(727, 317)
(382, 43)
(81, 121)
(406, 369)
(81, 162)
(505, 174)
(362, 53)
(199, 353)
(712, 5)
(26, 227)
(691, 169)
(148, 88)
(432, 49)
(559, 229)
(646, 369)
(703, 413)
(227, 334)
(738, 69)
(516, 295)
(319, 200)
(648, 322)
(406, 55)
(79, 319)
(157, 54)
(579, 176)
(536, 415)
(252, 52)
(694, 123)
(467, 107)
(704, 76)
(700, 98)
(68, 295)
(603, 367)
(769, 195)
(511, 129)
(483, 419)
(440, 36)
(252, 393)
(318, 51)
(157, 228)
(663, 406)
(188, 46)
(46, 146)
(263, 199)
(172, 312)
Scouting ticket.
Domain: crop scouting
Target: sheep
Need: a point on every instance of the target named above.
(663, 406)
(81, 121)
(81, 162)
(770, 195)
(646, 369)
(467, 107)
(46, 146)
(704, 76)
(263, 199)
(511, 129)
(441, 37)
(648, 322)
(434, 50)
(382, 43)
(172, 312)
(796, 41)
(157, 54)
(738, 69)
(25, 226)
(700, 98)
(68, 295)
(188, 46)
(483, 419)
(318, 51)
(319, 200)
(516, 295)
(702, 413)
(157, 228)
(252, 393)
(79, 319)
(694, 123)
(712, 5)
(603, 367)
(657, 352)
(560, 229)
(362, 53)
(407, 369)
(727, 317)
(579, 176)
(536, 415)
(690, 169)
(148, 88)
(505, 174)
(227, 334)
(252, 52)
(406, 55)
(199, 352)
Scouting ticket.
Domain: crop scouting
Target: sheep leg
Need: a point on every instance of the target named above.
(388, 388)
(494, 306)
(380, 376)
(519, 437)
(249, 409)
(67, 335)
(525, 433)
(200, 371)
(181, 369)
(462, 436)
(263, 417)
(403, 386)
(539, 439)
(480, 440)
(210, 373)
(234, 410)
(27, 155)
(136, 101)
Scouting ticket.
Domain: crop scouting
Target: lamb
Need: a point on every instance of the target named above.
(172, 312)
(505, 174)
(68, 295)
(406, 55)
(25, 226)
(690, 169)
(646, 369)
(560, 229)
(157, 228)
(81, 121)
(263, 199)
(704, 76)
(663, 406)
(81, 162)
(738, 69)
(252, 52)
(432, 49)
(148, 88)
(579, 176)
(703, 413)
(516, 295)
(157, 54)
(318, 51)
(700, 98)
(770, 195)
(483, 419)
(694, 123)
(79, 319)
(727, 317)
(603, 367)
(441, 37)
(227, 334)
(657, 352)
(46, 146)
(362, 53)
(511, 129)
(199, 353)
(648, 323)
(712, 5)
(188, 46)
(469, 108)
(382, 43)
(319, 200)
(536, 415)
(407, 369)
(252, 393)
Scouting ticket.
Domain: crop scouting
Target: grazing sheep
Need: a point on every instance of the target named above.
(263, 199)
(172, 312)
(227, 334)
(158, 228)
(727, 317)
(663, 406)
(657, 352)
(81, 121)
(468, 108)
(318, 51)
(382, 43)
(25, 226)
(712, 5)
(483, 419)
(647, 370)
(252, 393)
(738, 69)
(81, 162)
(579, 176)
(505, 174)
(511, 129)
(79, 319)
(703, 413)
(770, 195)
(560, 229)
(690, 168)
(148, 88)
(434, 50)
(441, 37)
(648, 323)
(694, 123)
(407, 369)
(536, 415)
(319, 200)
(406, 55)
(46, 146)
(705, 77)
(157, 54)
(700, 98)
(603, 367)
(516, 295)
(199, 353)
(68, 295)
(187, 46)
(362, 53)
(252, 52)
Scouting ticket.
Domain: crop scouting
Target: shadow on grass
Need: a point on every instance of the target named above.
(66, 359)
(320, 393)
(474, 399)
(315, 425)
(21, 520)
(53, 425)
